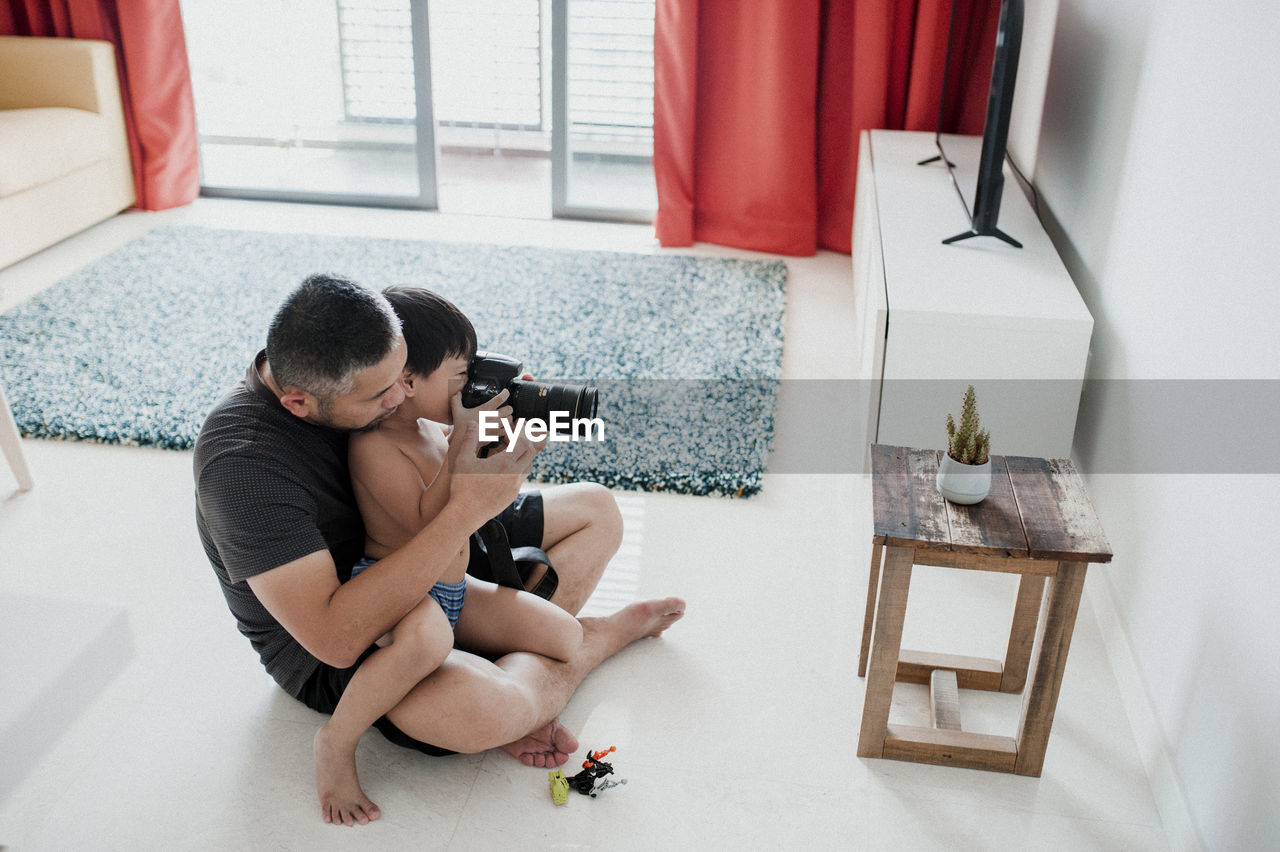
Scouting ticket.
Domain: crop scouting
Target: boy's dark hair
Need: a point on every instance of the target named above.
(326, 330)
(434, 328)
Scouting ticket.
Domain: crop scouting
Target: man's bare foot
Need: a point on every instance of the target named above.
(342, 801)
(552, 744)
(648, 618)
(548, 746)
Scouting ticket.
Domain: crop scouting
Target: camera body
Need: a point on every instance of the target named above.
(490, 372)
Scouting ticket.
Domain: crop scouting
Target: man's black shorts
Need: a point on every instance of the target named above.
(524, 524)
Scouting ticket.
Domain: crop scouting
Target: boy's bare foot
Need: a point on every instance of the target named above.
(342, 802)
(548, 746)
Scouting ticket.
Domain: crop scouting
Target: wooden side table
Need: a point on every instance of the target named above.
(1036, 522)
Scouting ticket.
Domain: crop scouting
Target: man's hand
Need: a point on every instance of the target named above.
(462, 415)
(483, 487)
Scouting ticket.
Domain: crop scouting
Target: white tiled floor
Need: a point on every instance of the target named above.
(736, 730)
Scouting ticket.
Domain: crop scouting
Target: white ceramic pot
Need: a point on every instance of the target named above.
(963, 483)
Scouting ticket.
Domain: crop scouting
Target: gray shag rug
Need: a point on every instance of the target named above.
(686, 351)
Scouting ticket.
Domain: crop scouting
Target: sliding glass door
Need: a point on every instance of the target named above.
(314, 100)
(509, 107)
(602, 79)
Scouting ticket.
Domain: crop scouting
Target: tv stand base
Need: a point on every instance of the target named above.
(994, 232)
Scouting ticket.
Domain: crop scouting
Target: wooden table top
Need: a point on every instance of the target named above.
(1037, 509)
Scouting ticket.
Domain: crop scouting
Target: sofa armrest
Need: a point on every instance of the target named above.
(58, 72)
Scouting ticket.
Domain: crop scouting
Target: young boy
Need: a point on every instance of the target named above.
(400, 474)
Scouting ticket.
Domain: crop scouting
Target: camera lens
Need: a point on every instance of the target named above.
(578, 400)
(540, 400)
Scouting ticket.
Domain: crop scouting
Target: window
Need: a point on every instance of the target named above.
(349, 100)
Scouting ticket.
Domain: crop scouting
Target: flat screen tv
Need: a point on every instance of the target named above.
(995, 132)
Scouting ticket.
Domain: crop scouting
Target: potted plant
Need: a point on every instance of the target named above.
(964, 474)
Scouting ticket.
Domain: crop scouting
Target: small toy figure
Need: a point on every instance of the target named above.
(590, 781)
(559, 786)
(593, 769)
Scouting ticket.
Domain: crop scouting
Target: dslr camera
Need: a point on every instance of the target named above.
(489, 372)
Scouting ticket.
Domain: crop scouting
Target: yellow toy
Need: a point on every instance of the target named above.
(559, 786)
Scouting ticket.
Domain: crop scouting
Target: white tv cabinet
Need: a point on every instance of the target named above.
(934, 318)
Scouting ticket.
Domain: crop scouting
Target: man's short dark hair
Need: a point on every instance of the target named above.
(434, 328)
(327, 330)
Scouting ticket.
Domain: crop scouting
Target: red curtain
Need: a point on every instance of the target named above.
(155, 82)
(758, 105)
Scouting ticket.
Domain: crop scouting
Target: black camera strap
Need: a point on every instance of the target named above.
(508, 566)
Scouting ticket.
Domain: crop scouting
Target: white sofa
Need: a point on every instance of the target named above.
(64, 156)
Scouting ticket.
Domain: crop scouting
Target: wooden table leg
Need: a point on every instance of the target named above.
(883, 670)
(869, 618)
(1054, 641)
(1022, 634)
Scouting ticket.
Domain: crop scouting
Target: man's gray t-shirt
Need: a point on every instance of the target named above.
(271, 488)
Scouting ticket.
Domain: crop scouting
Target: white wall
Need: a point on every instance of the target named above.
(1158, 166)
(1039, 17)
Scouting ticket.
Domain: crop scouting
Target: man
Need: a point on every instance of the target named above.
(279, 523)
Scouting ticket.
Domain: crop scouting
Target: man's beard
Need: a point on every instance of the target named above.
(369, 427)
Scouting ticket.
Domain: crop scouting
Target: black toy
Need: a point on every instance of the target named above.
(593, 769)
(590, 781)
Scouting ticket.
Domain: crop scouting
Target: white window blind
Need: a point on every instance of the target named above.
(376, 49)
(490, 65)
(611, 71)
(487, 63)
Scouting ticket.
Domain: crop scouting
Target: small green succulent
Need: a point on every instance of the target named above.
(968, 444)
